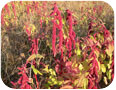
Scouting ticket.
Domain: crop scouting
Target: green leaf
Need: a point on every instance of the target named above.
(47, 86)
(35, 70)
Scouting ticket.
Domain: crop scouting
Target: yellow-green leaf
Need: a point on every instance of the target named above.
(80, 67)
(78, 52)
(85, 83)
(108, 73)
(36, 71)
(105, 80)
(46, 68)
(60, 82)
(33, 56)
(32, 26)
(103, 68)
(110, 48)
(52, 72)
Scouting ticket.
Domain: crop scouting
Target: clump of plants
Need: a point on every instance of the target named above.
(58, 57)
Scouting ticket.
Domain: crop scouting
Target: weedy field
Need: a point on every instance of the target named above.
(57, 45)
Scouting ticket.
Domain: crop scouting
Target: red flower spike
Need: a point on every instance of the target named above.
(59, 26)
(7, 9)
(28, 7)
(54, 38)
(72, 34)
(14, 11)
